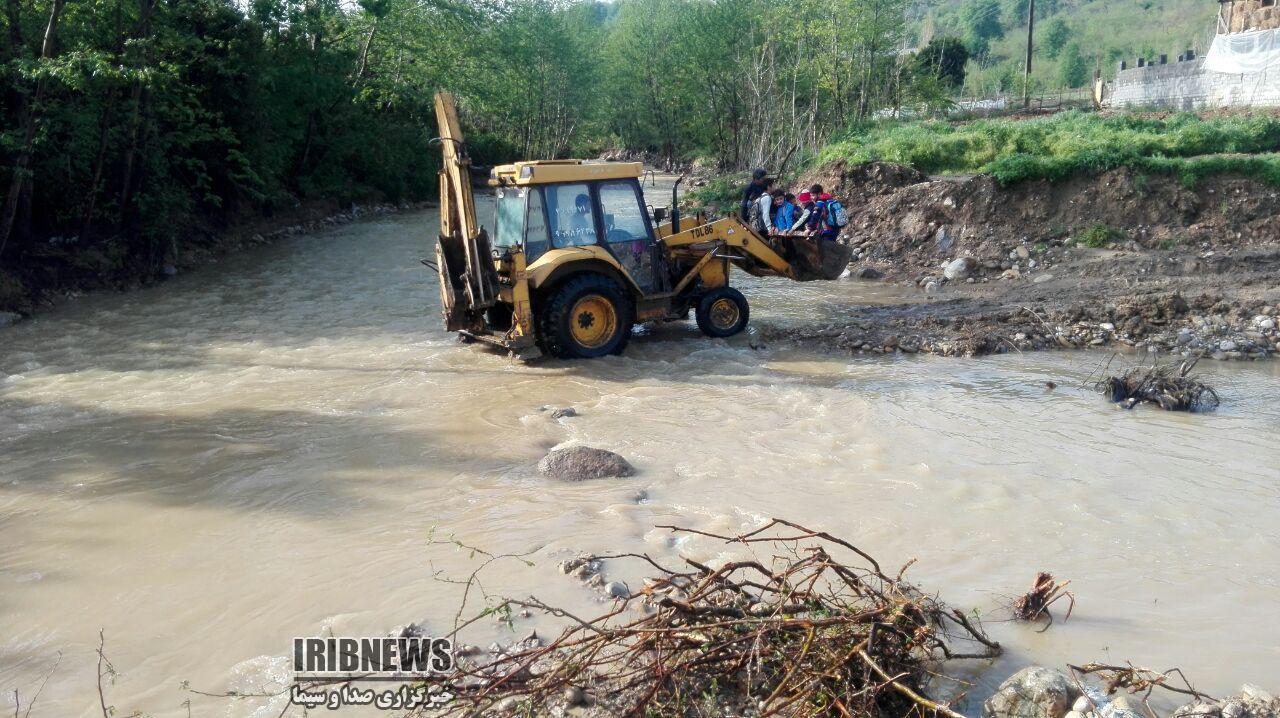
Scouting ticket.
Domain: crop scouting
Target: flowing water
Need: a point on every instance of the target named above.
(266, 448)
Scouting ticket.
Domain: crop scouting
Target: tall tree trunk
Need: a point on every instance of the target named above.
(104, 132)
(363, 65)
(22, 163)
(138, 101)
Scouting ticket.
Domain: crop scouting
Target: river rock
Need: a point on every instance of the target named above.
(869, 273)
(575, 696)
(1034, 692)
(1121, 707)
(564, 412)
(617, 589)
(8, 318)
(580, 463)
(960, 268)
(943, 240)
(1255, 694)
(1198, 710)
(1233, 709)
(1021, 252)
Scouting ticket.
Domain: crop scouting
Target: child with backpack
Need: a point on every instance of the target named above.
(828, 216)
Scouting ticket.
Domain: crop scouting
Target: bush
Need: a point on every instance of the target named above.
(719, 197)
(1099, 236)
(1070, 143)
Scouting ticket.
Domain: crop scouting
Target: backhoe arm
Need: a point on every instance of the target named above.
(464, 259)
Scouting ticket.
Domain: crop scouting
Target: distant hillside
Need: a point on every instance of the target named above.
(1103, 32)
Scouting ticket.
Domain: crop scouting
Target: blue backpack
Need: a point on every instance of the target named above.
(837, 217)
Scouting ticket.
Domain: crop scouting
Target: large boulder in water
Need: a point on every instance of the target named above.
(1034, 692)
(580, 463)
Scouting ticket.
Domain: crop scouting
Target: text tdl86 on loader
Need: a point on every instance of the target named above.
(575, 259)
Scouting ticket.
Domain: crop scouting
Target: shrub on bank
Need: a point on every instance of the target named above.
(1072, 143)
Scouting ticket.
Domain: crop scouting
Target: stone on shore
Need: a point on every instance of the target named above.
(960, 268)
(1033, 692)
(581, 463)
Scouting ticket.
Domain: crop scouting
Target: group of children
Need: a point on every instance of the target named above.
(774, 212)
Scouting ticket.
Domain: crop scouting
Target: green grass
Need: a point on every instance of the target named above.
(1072, 143)
(719, 196)
(1099, 236)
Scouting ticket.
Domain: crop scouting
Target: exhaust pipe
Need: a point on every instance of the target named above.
(675, 205)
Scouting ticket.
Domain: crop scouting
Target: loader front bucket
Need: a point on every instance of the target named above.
(814, 259)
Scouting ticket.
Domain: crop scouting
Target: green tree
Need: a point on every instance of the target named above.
(1055, 36)
(1015, 12)
(981, 22)
(944, 58)
(1074, 70)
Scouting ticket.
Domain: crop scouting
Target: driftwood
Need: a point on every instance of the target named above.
(1034, 604)
(808, 625)
(1168, 386)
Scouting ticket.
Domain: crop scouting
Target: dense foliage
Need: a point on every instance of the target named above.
(134, 129)
(1071, 143)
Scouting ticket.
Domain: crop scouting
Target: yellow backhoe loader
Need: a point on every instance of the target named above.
(576, 259)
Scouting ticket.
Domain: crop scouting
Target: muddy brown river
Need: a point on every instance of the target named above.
(263, 449)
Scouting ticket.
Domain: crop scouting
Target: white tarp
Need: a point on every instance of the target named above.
(1244, 52)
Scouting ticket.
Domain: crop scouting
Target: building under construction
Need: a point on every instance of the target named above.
(1241, 69)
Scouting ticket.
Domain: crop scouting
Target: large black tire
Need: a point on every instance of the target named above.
(588, 316)
(723, 312)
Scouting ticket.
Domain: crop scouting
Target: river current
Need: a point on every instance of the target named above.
(268, 447)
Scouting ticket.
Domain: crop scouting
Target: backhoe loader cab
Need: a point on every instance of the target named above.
(593, 265)
(575, 260)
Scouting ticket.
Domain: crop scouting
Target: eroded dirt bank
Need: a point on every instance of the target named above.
(1120, 259)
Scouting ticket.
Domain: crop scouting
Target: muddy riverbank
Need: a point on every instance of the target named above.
(1118, 260)
(62, 268)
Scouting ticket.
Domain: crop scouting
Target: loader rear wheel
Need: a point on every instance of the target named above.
(588, 316)
(723, 312)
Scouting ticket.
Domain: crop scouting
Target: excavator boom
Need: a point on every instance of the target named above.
(464, 258)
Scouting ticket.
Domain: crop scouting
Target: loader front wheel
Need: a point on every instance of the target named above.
(723, 312)
(588, 316)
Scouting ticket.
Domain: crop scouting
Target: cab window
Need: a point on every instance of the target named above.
(536, 239)
(571, 213)
(510, 219)
(623, 212)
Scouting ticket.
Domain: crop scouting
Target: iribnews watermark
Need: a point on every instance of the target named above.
(326, 669)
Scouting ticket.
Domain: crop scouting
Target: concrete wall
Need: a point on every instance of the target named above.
(1187, 86)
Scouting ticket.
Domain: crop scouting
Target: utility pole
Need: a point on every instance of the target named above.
(1026, 73)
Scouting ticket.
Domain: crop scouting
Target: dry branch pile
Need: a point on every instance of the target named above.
(1164, 385)
(808, 625)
